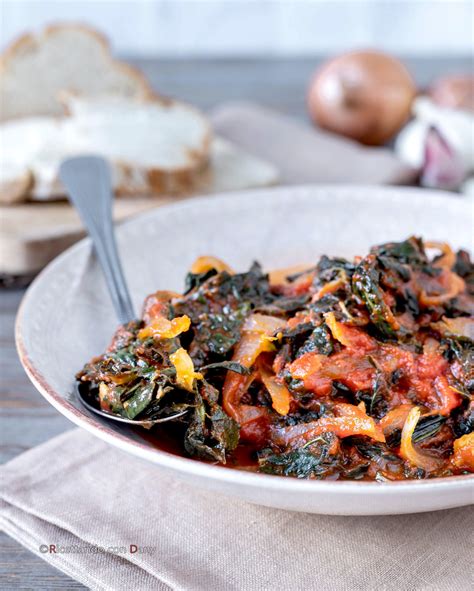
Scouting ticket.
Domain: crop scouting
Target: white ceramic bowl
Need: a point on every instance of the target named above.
(66, 316)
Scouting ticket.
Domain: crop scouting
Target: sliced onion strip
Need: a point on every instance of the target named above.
(407, 449)
(207, 263)
(463, 456)
(185, 374)
(162, 328)
(281, 397)
(448, 257)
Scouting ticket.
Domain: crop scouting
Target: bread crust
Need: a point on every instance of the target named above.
(16, 190)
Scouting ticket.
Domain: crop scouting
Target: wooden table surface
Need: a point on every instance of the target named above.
(26, 419)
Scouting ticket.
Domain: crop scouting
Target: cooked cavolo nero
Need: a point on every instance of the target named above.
(358, 369)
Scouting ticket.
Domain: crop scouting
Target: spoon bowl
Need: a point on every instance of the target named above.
(89, 189)
(147, 423)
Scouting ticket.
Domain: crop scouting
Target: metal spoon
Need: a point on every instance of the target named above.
(146, 423)
(89, 188)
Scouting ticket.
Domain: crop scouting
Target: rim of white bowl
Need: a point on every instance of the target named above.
(196, 467)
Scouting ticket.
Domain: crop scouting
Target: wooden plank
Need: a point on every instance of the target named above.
(21, 569)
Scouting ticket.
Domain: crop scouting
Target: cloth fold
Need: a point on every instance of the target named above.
(114, 522)
(305, 154)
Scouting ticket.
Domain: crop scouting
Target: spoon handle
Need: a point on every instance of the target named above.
(87, 181)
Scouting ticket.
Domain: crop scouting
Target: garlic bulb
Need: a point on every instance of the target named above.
(440, 142)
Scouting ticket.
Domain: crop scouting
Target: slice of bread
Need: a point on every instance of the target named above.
(155, 147)
(36, 68)
(32, 234)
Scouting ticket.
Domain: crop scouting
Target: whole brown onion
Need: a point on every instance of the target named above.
(364, 95)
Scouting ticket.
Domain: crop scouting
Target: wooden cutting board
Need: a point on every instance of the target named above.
(32, 234)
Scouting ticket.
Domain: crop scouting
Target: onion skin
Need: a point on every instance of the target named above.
(363, 95)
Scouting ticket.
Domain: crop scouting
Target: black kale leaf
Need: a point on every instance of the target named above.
(211, 433)
(366, 286)
(409, 252)
(218, 307)
(312, 460)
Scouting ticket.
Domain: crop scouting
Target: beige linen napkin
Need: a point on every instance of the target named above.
(75, 493)
(305, 154)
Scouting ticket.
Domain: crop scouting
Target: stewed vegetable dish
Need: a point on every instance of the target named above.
(353, 370)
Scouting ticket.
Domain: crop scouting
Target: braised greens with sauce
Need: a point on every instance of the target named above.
(358, 369)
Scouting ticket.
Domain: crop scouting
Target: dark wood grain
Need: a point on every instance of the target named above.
(21, 569)
(25, 418)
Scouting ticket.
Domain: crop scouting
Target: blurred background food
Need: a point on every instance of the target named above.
(380, 92)
(86, 101)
